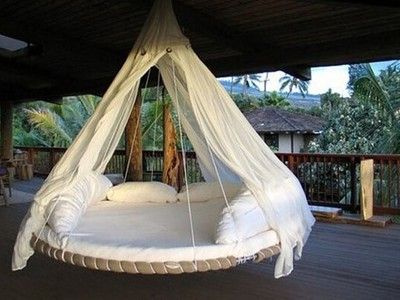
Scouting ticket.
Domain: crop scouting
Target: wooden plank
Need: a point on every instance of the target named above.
(367, 185)
(325, 211)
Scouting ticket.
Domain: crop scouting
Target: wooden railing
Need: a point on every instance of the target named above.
(327, 179)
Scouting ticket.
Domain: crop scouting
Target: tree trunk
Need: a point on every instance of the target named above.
(6, 130)
(133, 134)
(171, 159)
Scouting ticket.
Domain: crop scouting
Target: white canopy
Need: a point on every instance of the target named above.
(219, 133)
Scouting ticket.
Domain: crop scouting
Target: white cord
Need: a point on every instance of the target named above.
(184, 167)
(136, 128)
(218, 177)
(155, 127)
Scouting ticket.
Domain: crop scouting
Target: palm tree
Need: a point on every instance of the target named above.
(290, 82)
(58, 124)
(247, 81)
(381, 92)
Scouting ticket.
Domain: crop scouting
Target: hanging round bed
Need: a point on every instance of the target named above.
(150, 238)
(266, 215)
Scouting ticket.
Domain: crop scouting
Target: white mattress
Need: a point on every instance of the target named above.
(154, 233)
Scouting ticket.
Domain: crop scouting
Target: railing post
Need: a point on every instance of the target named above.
(291, 163)
(353, 185)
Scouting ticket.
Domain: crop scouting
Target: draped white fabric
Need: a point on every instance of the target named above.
(219, 133)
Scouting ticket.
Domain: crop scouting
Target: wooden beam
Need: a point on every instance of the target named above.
(133, 141)
(374, 47)
(301, 72)
(64, 46)
(21, 94)
(198, 22)
(206, 25)
(171, 159)
(34, 77)
(6, 130)
(358, 3)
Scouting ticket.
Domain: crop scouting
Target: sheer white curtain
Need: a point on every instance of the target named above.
(213, 123)
(96, 143)
(212, 118)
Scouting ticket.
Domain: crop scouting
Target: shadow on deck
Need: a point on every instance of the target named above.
(339, 262)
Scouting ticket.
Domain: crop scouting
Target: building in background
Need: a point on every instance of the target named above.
(285, 131)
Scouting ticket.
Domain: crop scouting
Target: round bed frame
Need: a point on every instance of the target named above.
(149, 268)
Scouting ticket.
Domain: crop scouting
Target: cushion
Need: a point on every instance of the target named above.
(204, 191)
(245, 220)
(65, 210)
(115, 178)
(103, 184)
(157, 192)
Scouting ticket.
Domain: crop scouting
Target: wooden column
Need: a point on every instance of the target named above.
(367, 188)
(171, 159)
(6, 130)
(135, 168)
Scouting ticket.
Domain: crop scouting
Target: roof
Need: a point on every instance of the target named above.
(274, 120)
(77, 47)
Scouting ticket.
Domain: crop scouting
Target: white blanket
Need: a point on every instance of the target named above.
(154, 232)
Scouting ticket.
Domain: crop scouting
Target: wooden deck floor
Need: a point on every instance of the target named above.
(339, 262)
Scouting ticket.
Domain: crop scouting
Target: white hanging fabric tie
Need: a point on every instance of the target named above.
(178, 112)
(136, 129)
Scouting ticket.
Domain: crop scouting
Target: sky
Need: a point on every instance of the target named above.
(323, 78)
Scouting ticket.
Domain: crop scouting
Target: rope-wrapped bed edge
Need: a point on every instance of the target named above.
(132, 267)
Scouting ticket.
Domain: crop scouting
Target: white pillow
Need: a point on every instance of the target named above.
(115, 178)
(142, 192)
(103, 184)
(245, 220)
(204, 191)
(65, 210)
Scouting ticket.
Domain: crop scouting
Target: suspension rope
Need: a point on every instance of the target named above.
(184, 166)
(218, 177)
(155, 127)
(136, 127)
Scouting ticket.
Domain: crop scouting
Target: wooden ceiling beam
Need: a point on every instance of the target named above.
(358, 3)
(383, 46)
(32, 74)
(96, 87)
(301, 72)
(201, 23)
(194, 20)
(65, 47)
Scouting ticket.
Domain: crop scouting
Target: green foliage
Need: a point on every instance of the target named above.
(383, 93)
(369, 122)
(355, 71)
(352, 127)
(273, 99)
(330, 101)
(245, 102)
(52, 125)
